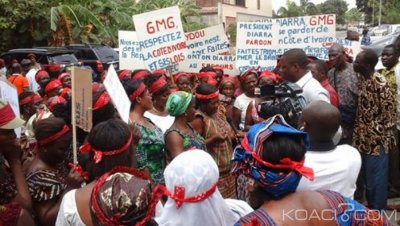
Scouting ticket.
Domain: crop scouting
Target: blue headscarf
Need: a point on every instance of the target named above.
(248, 161)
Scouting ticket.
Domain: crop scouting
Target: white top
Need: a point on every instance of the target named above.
(68, 213)
(163, 122)
(312, 89)
(33, 85)
(3, 72)
(335, 170)
(241, 103)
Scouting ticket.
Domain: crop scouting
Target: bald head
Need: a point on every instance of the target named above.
(321, 121)
(338, 47)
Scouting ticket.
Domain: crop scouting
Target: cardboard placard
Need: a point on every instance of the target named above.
(130, 55)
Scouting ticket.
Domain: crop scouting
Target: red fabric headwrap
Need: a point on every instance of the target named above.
(102, 101)
(52, 102)
(202, 75)
(54, 137)
(247, 73)
(286, 163)
(30, 99)
(270, 74)
(6, 114)
(159, 71)
(40, 74)
(227, 80)
(137, 92)
(207, 97)
(31, 55)
(53, 67)
(178, 75)
(179, 194)
(122, 74)
(140, 74)
(63, 75)
(218, 68)
(52, 85)
(158, 84)
(98, 154)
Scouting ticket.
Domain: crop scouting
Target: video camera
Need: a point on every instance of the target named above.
(284, 99)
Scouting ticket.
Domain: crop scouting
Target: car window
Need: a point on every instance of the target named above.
(106, 53)
(63, 59)
(89, 55)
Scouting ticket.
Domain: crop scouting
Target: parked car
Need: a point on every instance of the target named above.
(44, 56)
(98, 56)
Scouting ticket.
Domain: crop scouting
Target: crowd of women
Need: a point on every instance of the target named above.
(172, 164)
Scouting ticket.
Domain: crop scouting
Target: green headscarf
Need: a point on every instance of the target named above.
(178, 103)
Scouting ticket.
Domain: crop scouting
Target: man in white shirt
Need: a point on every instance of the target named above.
(30, 72)
(335, 168)
(294, 69)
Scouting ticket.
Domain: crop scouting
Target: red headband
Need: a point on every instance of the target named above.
(203, 75)
(98, 154)
(218, 68)
(122, 74)
(207, 97)
(286, 163)
(158, 84)
(53, 67)
(271, 75)
(6, 114)
(54, 137)
(52, 85)
(30, 99)
(248, 72)
(113, 220)
(102, 101)
(52, 102)
(63, 75)
(228, 79)
(159, 71)
(137, 92)
(40, 74)
(178, 75)
(140, 74)
(179, 194)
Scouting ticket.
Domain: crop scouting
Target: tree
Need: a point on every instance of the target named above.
(291, 10)
(338, 7)
(308, 7)
(353, 16)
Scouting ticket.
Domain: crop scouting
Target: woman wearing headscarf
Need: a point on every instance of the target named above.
(150, 148)
(47, 176)
(193, 196)
(252, 114)
(110, 144)
(15, 200)
(272, 154)
(181, 136)
(248, 82)
(160, 91)
(227, 98)
(42, 78)
(218, 135)
(182, 81)
(130, 185)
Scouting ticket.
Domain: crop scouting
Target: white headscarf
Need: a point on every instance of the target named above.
(197, 172)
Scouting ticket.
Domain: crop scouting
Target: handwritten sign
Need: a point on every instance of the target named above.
(256, 45)
(117, 94)
(307, 33)
(161, 37)
(82, 97)
(8, 92)
(211, 40)
(130, 55)
(352, 48)
(194, 64)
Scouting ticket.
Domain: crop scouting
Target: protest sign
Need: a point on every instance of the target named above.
(195, 63)
(307, 33)
(9, 93)
(82, 98)
(117, 94)
(256, 45)
(161, 37)
(130, 55)
(352, 48)
(211, 40)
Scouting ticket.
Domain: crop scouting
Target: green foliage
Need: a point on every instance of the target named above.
(232, 29)
(353, 16)
(338, 7)
(390, 11)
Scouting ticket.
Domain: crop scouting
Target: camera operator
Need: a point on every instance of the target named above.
(294, 69)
